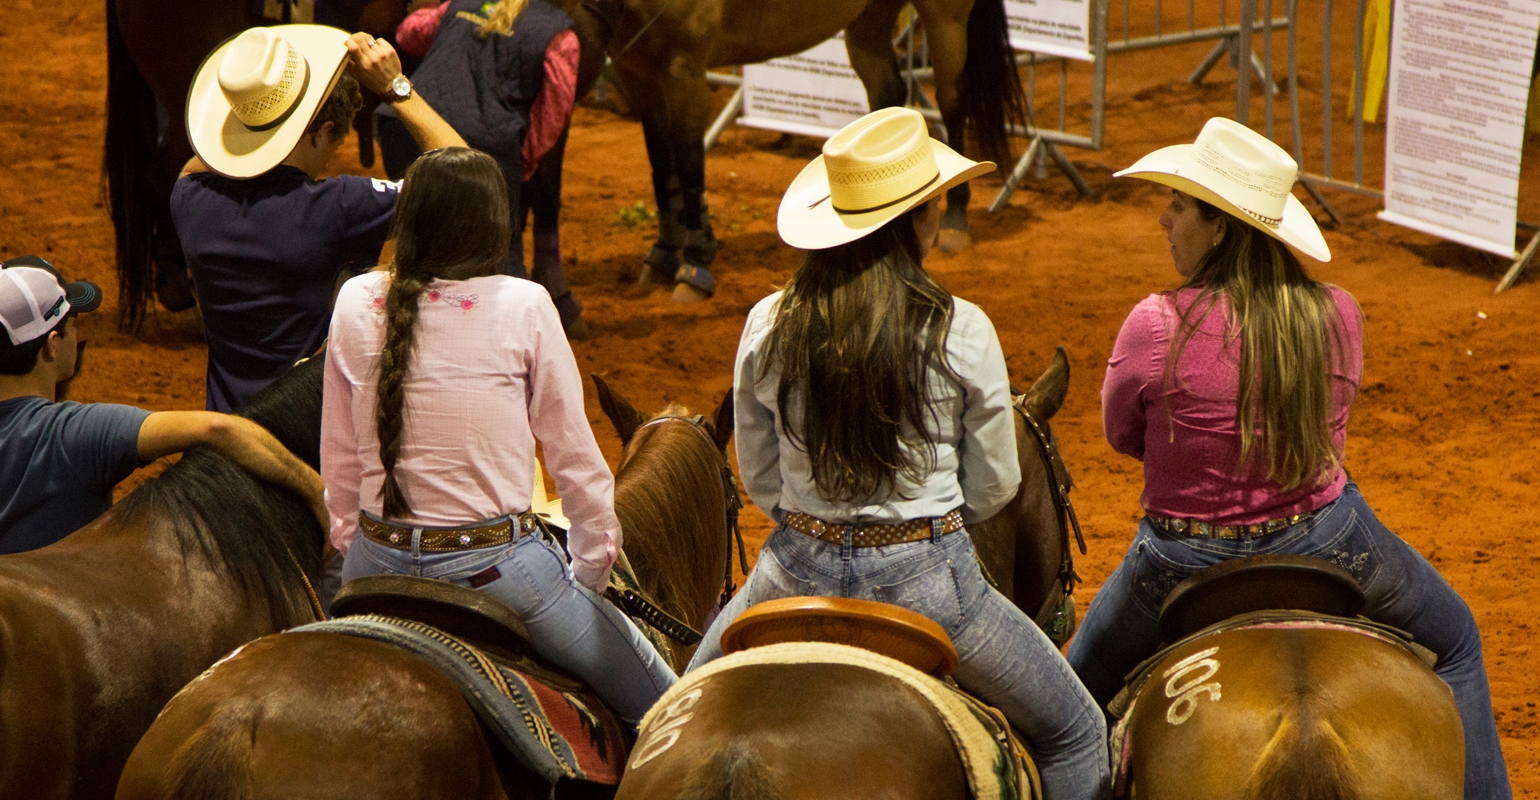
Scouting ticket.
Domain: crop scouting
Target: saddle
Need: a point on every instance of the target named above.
(1258, 583)
(890, 630)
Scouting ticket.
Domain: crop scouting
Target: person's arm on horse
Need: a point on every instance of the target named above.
(239, 439)
(375, 64)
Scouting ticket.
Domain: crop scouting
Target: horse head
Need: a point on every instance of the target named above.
(675, 497)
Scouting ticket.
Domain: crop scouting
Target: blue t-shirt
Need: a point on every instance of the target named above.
(264, 254)
(58, 464)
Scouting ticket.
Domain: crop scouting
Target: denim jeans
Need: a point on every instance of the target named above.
(570, 626)
(1005, 660)
(1403, 590)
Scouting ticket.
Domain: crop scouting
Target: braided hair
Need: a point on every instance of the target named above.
(451, 223)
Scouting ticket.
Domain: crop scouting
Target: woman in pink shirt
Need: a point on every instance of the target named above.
(1234, 390)
(440, 376)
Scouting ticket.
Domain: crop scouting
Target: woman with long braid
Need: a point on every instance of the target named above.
(440, 376)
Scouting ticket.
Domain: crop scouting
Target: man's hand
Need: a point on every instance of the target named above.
(373, 62)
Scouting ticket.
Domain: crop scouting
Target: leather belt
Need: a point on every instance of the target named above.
(447, 540)
(912, 530)
(1199, 529)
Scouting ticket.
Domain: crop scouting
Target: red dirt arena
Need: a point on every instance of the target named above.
(1445, 432)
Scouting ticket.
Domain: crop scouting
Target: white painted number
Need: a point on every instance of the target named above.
(1185, 684)
(666, 731)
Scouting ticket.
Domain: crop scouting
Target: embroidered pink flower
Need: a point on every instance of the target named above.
(467, 304)
(434, 295)
(377, 303)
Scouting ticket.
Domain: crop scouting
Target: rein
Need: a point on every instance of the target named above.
(732, 502)
(1064, 507)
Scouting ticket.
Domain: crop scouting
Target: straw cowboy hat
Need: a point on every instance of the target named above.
(256, 93)
(1242, 173)
(873, 170)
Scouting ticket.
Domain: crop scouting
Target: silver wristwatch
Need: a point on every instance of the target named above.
(400, 89)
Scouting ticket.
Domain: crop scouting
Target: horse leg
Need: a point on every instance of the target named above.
(946, 31)
(662, 261)
(685, 90)
(173, 284)
(869, 43)
(542, 194)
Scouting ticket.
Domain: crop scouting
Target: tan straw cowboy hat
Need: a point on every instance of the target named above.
(1242, 173)
(256, 93)
(873, 170)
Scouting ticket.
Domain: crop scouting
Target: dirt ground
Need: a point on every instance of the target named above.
(1443, 437)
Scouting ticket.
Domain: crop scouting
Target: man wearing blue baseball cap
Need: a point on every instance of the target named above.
(59, 461)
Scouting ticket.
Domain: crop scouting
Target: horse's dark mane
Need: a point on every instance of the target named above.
(255, 531)
(662, 463)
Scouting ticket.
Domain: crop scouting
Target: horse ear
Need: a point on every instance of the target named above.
(622, 414)
(1047, 393)
(722, 423)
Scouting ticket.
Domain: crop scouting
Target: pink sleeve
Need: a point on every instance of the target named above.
(553, 105)
(340, 468)
(559, 421)
(415, 33)
(1131, 372)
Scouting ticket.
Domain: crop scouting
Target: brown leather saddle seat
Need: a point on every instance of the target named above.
(1258, 583)
(890, 630)
(483, 621)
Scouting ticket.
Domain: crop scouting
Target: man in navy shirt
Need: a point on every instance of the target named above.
(59, 461)
(267, 242)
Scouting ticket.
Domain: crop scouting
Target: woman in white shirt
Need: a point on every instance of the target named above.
(440, 376)
(873, 419)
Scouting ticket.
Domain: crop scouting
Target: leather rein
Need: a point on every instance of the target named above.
(1064, 507)
(732, 501)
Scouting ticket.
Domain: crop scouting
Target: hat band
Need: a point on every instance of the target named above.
(922, 187)
(1268, 221)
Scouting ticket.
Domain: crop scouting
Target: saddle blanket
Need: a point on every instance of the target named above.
(554, 734)
(996, 765)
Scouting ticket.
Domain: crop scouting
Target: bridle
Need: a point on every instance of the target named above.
(1064, 507)
(732, 502)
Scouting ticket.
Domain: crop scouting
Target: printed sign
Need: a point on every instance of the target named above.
(1459, 85)
(1051, 27)
(814, 92)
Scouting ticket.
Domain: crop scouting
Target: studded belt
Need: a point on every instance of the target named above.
(912, 530)
(1199, 529)
(445, 540)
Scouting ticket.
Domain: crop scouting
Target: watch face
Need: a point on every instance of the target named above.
(401, 87)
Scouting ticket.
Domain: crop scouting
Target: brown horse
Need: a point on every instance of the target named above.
(1268, 714)
(154, 48)
(661, 50)
(327, 715)
(99, 630)
(756, 736)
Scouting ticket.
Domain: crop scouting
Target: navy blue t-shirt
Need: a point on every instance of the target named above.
(264, 254)
(58, 464)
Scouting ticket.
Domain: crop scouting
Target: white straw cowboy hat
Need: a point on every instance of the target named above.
(1242, 173)
(256, 93)
(873, 170)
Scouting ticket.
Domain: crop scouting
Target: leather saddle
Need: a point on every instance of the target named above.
(1258, 583)
(890, 630)
(478, 618)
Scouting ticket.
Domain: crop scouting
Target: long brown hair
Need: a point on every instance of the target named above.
(855, 334)
(451, 223)
(501, 17)
(1290, 335)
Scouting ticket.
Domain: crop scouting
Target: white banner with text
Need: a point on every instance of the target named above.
(814, 92)
(1051, 27)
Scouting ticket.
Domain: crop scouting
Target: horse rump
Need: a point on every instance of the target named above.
(732, 773)
(1306, 758)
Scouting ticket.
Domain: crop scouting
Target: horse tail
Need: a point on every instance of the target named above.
(735, 773)
(215, 762)
(132, 133)
(990, 88)
(1305, 760)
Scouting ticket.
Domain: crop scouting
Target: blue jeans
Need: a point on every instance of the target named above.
(571, 627)
(1403, 590)
(1005, 659)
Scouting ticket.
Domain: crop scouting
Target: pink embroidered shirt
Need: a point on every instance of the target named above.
(553, 105)
(491, 372)
(1186, 432)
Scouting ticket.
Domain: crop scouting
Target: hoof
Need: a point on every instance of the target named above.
(173, 287)
(659, 267)
(685, 293)
(578, 331)
(953, 240)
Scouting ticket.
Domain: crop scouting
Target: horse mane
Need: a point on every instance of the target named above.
(660, 464)
(255, 532)
(1306, 759)
(734, 773)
